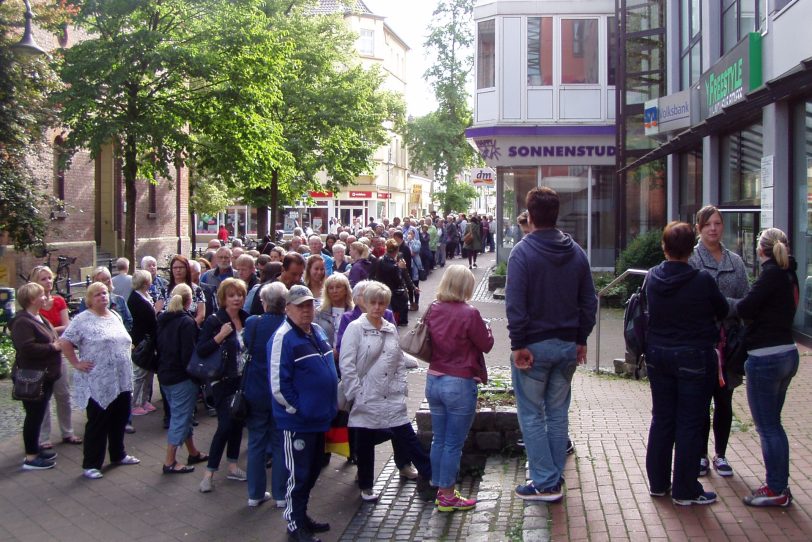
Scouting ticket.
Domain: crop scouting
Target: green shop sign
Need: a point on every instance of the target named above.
(732, 77)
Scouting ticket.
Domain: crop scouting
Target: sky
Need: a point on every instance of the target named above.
(410, 20)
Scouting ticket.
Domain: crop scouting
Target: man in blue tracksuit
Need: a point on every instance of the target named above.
(304, 386)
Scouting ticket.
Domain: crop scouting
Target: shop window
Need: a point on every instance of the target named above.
(740, 167)
(644, 204)
(515, 184)
(572, 185)
(690, 42)
(539, 51)
(802, 205)
(739, 17)
(59, 169)
(604, 212)
(153, 200)
(486, 54)
(579, 51)
(366, 42)
(690, 185)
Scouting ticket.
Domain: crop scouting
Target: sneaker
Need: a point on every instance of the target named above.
(704, 466)
(139, 411)
(316, 526)
(302, 535)
(207, 484)
(256, 502)
(764, 496)
(238, 474)
(706, 497)
(48, 455)
(570, 447)
(281, 503)
(38, 463)
(129, 429)
(529, 492)
(662, 493)
(127, 460)
(454, 502)
(409, 472)
(475, 266)
(149, 407)
(368, 495)
(722, 467)
(93, 474)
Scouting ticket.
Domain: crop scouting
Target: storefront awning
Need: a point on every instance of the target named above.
(796, 82)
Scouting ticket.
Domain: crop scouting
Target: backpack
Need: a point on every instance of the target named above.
(635, 326)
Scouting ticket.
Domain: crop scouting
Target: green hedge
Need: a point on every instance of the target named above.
(644, 252)
(6, 355)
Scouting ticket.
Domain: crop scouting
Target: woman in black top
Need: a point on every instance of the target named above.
(176, 338)
(393, 272)
(223, 331)
(684, 304)
(144, 323)
(772, 360)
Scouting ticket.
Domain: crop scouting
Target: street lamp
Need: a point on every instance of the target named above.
(27, 46)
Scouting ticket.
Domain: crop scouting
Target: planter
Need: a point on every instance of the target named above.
(496, 281)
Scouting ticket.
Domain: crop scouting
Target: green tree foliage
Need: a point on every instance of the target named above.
(25, 114)
(437, 140)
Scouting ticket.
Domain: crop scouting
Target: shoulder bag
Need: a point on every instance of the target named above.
(207, 368)
(29, 384)
(144, 354)
(417, 341)
(237, 405)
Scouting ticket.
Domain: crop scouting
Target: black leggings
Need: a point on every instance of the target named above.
(472, 254)
(34, 414)
(722, 419)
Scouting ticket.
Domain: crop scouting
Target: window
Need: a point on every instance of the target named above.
(740, 166)
(366, 42)
(486, 54)
(690, 42)
(59, 169)
(611, 50)
(690, 184)
(539, 51)
(739, 17)
(153, 200)
(579, 51)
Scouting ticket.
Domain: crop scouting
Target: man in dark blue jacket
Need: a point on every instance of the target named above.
(551, 304)
(304, 385)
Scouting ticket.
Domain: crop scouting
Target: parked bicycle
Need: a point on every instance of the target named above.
(62, 281)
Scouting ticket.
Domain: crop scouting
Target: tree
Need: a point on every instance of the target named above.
(437, 140)
(25, 114)
(145, 78)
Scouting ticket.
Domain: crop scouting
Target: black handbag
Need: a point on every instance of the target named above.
(735, 353)
(237, 404)
(207, 368)
(144, 354)
(29, 384)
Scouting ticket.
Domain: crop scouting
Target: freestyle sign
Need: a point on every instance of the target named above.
(732, 77)
(562, 150)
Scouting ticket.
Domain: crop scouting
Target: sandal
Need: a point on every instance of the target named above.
(172, 469)
(199, 458)
(46, 446)
(73, 439)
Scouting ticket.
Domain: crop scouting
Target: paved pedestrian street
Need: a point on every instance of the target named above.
(606, 490)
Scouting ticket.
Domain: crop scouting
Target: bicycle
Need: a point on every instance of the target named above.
(62, 283)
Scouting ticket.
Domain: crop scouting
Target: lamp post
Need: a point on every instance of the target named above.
(27, 46)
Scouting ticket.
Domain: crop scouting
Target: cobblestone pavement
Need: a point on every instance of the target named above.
(11, 412)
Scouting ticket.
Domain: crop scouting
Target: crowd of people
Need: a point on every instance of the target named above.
(306, 333)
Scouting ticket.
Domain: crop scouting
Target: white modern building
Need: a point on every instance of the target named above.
(544, 113)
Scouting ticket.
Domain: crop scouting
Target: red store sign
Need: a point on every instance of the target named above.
(384, 195)
(360, 194)
(321, 195)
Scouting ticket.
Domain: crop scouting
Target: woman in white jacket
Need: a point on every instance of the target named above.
(373, 381)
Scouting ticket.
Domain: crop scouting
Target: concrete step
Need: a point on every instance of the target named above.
(499, 293)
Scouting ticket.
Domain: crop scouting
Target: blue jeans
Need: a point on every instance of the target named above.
(452, 401)
(182, 398)
(262, 433)
(768, 378)
(682, 381)
(543, 401)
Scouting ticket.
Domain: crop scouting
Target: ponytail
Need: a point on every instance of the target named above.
(773, 243)
(176, 303)
(181, 295)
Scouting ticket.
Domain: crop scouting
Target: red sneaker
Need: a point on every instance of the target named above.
(764, 496)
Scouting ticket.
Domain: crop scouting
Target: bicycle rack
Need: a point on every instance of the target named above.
(619, 279)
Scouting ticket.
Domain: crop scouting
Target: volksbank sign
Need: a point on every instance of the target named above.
(732, 77)
(668, 113)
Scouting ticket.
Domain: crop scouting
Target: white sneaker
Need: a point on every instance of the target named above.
(238, 474)
(256, 502)
(368, 495)
(280, 504)
(93, 474)
(207, 484)
(409, 472)
(128, 460)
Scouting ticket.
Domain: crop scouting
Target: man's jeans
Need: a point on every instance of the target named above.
(262, 436)
(682, 380)
(768, 378)
(543, 401)
(452, 401)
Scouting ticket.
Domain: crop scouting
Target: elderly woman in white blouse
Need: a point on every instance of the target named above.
(103, 380)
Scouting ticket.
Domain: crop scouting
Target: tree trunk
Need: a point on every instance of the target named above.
(130, 196)
(274, 203)
(262, 221)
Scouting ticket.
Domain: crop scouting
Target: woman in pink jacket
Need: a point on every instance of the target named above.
(459, 338)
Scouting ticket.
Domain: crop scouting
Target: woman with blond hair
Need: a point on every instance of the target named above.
(103, 380)
(223, 331)
(55, 310)
(175, 341)
(772, 360)
(459, 338)
(314, 275)
(38, 348)
(336, 300)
